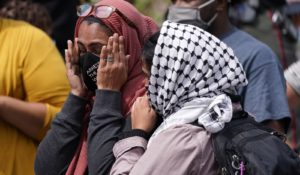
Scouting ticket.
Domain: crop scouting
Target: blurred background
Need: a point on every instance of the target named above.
(274, 22)
(154, 8)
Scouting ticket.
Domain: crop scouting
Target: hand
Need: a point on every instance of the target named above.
(113, 67)
(142, 115)
(73, 71)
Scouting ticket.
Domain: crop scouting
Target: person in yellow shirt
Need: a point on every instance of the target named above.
(33, 87)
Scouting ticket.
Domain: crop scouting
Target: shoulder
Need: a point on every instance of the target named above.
(35, 48)
(242, 41)
(250, 51)
(18, 26)
(21, 31)
(26, 41)
(180, 135)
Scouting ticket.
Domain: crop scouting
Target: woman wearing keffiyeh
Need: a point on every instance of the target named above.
(190, 73)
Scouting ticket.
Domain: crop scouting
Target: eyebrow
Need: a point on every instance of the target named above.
(80, 43)
(96, 43)
(93, 43)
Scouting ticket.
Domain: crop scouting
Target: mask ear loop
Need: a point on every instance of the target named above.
(212, 19)
(199, 15)
(209, 22)
(205, 4)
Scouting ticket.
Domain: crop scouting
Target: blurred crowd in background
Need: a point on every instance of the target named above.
(274, 22)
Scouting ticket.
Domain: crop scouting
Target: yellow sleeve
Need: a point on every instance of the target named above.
(44, 75)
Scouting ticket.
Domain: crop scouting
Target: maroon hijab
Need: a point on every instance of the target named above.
(134, 87)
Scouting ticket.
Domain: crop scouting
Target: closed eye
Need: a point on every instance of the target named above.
(95, 48)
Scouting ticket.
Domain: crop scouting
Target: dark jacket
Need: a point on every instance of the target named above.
(57, 149)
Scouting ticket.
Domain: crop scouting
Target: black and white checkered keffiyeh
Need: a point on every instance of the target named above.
(190, 72)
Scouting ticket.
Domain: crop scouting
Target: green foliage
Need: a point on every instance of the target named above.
(153, 8)
(142, 5)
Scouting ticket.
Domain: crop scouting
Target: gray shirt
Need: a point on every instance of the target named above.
(57, 149)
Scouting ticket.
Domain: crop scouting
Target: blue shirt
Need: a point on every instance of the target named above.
(264, 96)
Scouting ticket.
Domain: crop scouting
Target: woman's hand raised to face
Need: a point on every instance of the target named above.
(142, 115)
(113, 67)
(73, 71)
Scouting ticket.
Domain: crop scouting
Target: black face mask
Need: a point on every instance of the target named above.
(89, 64)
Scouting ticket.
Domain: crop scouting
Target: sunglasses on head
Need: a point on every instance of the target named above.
(102, 12)
(99, 11)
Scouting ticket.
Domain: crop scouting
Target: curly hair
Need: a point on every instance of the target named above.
(34, 13)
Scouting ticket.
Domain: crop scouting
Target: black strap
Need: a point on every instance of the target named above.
(234, 98)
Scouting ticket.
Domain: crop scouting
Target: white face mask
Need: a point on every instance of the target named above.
(190, 15)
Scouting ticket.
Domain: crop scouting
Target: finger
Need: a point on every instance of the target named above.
(103, 56)
(134, 108)
(139, 101)
(121, 45)
(121, 49)
(70, 48)
(145, 101)
(109, 51)
(67, 58)
(71, 52)
(110, 59)
(115, 49)
(110, 45)
(75, 51)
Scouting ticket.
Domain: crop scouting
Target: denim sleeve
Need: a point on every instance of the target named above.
(56, 150)
(265, 96)
(292, 75)
(106, 123)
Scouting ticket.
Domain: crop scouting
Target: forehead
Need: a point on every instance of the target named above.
(91, 31)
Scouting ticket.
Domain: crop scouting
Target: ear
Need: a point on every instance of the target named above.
(221, 5)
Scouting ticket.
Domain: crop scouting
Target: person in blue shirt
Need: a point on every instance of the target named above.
(264, 96)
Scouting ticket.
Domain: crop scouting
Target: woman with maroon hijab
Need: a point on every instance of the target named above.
(113, 31)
